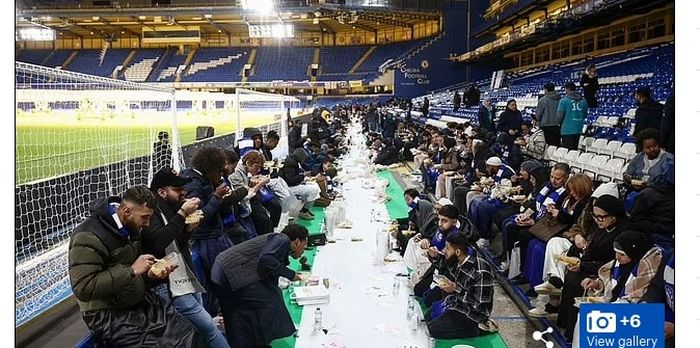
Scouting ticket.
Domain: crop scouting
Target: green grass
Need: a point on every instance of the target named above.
(48, 146)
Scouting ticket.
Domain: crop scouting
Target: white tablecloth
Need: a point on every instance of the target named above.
(363, 312)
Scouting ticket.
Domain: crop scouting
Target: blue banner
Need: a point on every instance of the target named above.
(621, 325)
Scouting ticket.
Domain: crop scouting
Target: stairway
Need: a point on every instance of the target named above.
(315, 60)
(159, 64)
(251, 62)
(125, 64)
(420, 49)
(69, 60)
(362, 60)
(188, 61)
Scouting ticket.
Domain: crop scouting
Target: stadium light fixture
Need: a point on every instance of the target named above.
(35, 34)
(207, 16)
(264, 7)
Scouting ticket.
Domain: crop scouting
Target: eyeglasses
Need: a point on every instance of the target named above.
(600, 218)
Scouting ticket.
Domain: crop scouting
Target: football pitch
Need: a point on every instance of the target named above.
(60, 143)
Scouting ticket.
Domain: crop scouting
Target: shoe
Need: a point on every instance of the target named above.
(483, 243)
(518, 280)
(322, 202)
(546, 311)
(306, 215)
(547, 288)
(531, 293)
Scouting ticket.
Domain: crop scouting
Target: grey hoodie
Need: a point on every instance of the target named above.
(546, 111)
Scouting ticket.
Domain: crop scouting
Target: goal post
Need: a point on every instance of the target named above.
(78, 137)
(267, 111)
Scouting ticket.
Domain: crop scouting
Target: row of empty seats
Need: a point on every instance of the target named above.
(598, 167)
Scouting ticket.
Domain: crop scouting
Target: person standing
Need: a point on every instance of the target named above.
(456, 101)
(546, 115)
(108, 275)
(425, 108)
(486, 115)
(162, 152)
(509, 123)
(649, 112)
(589, 83)
(245, 278)
(572, 112)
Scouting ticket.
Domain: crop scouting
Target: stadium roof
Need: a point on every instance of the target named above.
(128, 21)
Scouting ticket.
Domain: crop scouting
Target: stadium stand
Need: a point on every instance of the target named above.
(91, 62)
(217, 65)
(290, 64)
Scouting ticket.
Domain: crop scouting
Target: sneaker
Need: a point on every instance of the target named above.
(531, 293)
(547, 288)
(322, 202)
(483, 243)
(546, 311)
(306, 215)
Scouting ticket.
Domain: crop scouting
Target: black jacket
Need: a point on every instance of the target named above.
(600, 250)
(267, 153)
(486, 117)
(200, 187)
(649, 115)
(590, 88)
(294, 139)
(510, 120)
(387, 155)
(290, 172)
(654, 210)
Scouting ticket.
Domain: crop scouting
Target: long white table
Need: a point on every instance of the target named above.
(363, 311)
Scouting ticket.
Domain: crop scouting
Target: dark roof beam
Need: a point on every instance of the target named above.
(218, 26)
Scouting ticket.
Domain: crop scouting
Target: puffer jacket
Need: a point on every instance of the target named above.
(99, 262)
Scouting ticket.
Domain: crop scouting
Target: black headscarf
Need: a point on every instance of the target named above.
(635, 245)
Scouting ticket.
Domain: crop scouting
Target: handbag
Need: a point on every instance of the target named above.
(547, 227)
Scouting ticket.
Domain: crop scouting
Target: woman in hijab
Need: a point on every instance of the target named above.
(609, 214)
(626, 279)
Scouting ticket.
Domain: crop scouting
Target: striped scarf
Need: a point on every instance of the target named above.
(504, 169)
(637, 281)
(548, 194)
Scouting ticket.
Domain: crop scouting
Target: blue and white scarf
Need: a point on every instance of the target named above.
(546, 196)
(670, 286)
(503, 172)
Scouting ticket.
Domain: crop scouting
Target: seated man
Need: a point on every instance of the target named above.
(415, 257)
(245, 279)
(468, 298)
(388, 154)
(271, 141)
(108, 276)
(293, 175)
(168, 233)
(421, 218)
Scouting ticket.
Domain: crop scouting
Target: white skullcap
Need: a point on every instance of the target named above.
(444, 201)
(608, 188)
(494, 161)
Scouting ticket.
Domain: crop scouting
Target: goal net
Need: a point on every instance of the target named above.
(78, 137)
(267, 111)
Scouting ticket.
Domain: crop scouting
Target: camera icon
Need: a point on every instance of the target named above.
(601, 322)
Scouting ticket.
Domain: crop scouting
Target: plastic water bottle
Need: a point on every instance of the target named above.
(374, 215)
(397, 286)
(431, 342)
(318, 319)
(410, 308)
